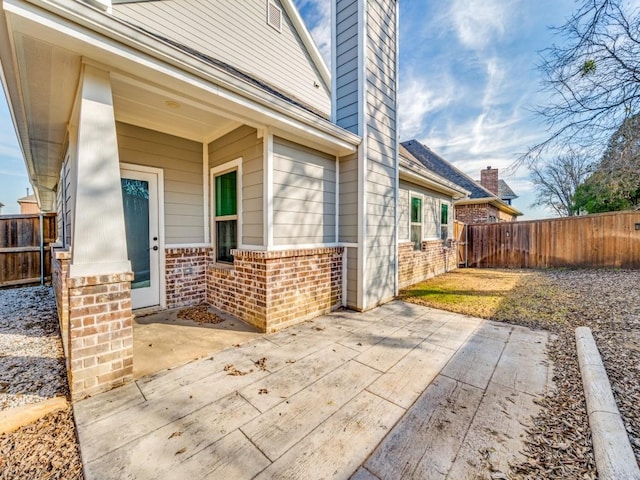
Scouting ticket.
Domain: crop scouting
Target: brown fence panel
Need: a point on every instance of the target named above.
(593, 241)
(20, 248)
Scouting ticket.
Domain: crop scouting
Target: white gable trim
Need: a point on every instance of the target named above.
(305, 36)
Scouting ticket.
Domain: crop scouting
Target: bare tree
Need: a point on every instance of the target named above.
(593, 76)
(557, 181)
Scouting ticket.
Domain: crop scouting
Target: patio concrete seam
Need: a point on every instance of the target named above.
(140, 390)
(614, 456)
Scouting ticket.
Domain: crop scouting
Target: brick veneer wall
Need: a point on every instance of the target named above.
(274, 289)
(415, 266)
(96, 325)
(480, 213)
(185, 275)
(100, 333)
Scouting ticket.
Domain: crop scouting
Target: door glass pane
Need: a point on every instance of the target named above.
(226, 235)
(226, 195)
(135, 197)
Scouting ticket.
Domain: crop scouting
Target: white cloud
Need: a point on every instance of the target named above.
(418, 98)
(479, 22)
(318, 20)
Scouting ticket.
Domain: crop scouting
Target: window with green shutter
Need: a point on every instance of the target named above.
(226, 215)
(444, 221)
(416, 222)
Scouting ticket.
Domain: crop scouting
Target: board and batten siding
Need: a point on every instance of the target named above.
(346, 68)
(431, 202)
(304, 195)
(244, 143)
(237, 33)
(181, 162)
(382, 145)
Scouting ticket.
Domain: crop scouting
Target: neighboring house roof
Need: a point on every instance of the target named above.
(440, 166)
(505, 192)
(412, 170)
(28, 199)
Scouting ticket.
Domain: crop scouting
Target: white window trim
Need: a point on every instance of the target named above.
(214, 172)
(449, 212)
(413, 195)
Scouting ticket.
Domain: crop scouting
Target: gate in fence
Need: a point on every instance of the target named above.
(25, 256)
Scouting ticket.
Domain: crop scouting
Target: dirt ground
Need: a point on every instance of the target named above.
(559, 446)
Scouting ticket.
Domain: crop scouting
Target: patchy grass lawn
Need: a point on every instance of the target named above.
(518, 296)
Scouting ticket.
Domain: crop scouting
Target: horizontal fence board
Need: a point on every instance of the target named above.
(608, 240)
(20, 248)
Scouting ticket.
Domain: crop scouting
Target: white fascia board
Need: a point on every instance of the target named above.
(116, 38)
(410, 176)
(307, 40)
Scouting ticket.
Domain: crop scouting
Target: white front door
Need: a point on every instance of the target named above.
(140, 200)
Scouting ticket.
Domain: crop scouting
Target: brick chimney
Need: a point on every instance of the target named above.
(489, 179)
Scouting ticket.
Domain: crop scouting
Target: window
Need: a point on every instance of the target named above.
(444, 221)
(416, 222)
(226, 215)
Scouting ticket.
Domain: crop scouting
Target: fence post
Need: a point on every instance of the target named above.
(41, 249)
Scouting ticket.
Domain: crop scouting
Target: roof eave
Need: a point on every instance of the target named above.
(433, 184)
(111, 28)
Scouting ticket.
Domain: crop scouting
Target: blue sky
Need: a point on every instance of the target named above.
(468, 78)
(468, 81)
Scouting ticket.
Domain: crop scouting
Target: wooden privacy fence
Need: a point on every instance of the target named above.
(25, 256)
(593, 241)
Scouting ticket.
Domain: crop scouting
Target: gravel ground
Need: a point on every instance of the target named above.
(32, 365)
(32, 369)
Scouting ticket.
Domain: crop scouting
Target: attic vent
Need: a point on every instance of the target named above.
(274, 16)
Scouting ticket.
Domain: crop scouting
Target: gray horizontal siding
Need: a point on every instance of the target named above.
(304, 193)
(349, 199)
(380, 65)
(236, 32)
(181, 162)
(346, 68)
(243, 142)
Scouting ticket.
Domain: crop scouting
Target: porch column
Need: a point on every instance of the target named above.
(98, 282)
(99, 241)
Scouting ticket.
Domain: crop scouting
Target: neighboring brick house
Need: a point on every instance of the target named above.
(489, 201)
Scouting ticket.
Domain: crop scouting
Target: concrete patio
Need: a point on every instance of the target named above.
(401, 391)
